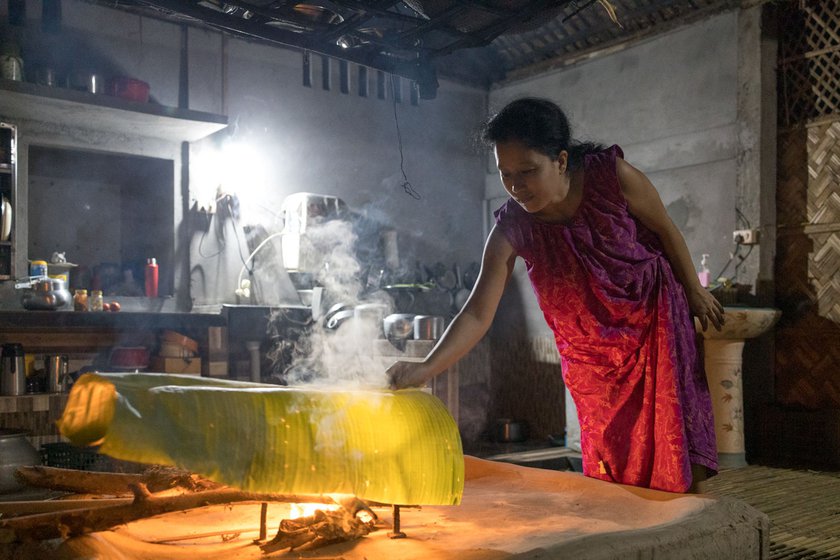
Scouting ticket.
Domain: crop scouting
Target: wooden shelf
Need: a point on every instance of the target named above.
(53, 320)
(104, 113)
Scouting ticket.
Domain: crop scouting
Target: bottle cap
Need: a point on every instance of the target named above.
(151, 261)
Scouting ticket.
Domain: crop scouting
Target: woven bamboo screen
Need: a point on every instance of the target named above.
(808, 205)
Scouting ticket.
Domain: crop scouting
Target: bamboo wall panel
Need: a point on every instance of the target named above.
(807, 268)
(809, 61)
(824, 216)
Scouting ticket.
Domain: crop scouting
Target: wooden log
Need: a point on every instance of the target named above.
(29, 507)
(117, 484)
(63, 524)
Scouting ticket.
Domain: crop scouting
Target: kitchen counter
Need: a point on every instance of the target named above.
(109, 320)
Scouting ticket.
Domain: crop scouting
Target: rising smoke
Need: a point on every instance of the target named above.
(328, 354)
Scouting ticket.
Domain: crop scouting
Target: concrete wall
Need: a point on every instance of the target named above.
(670, 103)
(292, 138)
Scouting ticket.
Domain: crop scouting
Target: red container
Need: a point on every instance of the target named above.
(152, 278)
(129, 358)
(130, 89)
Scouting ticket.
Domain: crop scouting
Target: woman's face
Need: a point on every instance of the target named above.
(531, 178)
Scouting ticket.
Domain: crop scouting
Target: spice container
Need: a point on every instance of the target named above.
(96, 300)
(38, 268)
(80, 300)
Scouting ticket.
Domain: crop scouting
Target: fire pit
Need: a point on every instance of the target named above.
(507, 511)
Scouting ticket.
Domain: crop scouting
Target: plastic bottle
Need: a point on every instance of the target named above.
(704, 274)
(151, 278)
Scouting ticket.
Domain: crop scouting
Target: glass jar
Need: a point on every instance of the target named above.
(80, 300)
(96, 301)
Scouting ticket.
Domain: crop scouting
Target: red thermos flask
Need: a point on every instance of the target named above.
(151, 278)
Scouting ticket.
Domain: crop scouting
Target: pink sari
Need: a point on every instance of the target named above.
(624, 332)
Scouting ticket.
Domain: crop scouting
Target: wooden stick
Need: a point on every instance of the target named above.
(263, 515)
(76, 522)
(45, 506)
(88, 482)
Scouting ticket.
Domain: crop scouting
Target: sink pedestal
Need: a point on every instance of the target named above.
(723, 360)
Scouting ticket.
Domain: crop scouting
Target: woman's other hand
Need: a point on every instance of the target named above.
(407, 374)
(705, 307)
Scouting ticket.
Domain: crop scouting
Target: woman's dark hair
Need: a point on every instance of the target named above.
(539, 124)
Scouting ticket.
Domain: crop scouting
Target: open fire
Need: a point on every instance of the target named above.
(102, 501)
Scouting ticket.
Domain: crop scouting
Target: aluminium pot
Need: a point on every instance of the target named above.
(428, 327)
(509, 431)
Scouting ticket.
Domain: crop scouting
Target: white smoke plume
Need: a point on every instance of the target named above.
(341, 357)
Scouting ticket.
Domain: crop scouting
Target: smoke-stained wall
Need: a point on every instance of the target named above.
(670, 103)
(292, 138)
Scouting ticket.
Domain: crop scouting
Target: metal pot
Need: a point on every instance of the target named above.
(46, 294)
(508, 430)
(15, 451)
(428, 327)
(398, 326)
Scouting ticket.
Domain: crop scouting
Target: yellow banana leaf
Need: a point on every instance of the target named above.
(391, 447)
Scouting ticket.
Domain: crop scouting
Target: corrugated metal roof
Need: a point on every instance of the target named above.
(478, 41)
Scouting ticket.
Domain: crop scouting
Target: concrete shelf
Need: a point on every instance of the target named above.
(104, 113)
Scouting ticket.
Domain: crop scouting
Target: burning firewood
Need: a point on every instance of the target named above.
(320, 529)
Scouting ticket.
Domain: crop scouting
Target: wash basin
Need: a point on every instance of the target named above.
(722, 352)
(742, 323)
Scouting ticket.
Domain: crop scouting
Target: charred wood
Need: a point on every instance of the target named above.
(320, 529)
(117, 484)
(63, 524)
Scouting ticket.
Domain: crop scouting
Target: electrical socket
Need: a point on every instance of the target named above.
(745, 236)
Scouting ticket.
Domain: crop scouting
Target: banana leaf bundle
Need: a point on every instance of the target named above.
(390, 447)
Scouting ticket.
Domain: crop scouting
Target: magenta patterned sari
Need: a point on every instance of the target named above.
(625, 335)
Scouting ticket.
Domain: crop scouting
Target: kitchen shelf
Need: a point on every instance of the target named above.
(72, 108)
(119, 320)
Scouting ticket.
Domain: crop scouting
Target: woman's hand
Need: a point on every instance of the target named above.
(407, 374)
(705, 307)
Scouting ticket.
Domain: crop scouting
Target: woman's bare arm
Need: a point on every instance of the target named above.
(471, 323)
(644, 203)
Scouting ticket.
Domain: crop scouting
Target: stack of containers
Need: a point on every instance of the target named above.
(177, 353)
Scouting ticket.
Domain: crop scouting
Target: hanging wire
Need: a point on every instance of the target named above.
(741, 216)
(406, 185)
(729, 262)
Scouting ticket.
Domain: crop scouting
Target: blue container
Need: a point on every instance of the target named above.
(38, 268)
